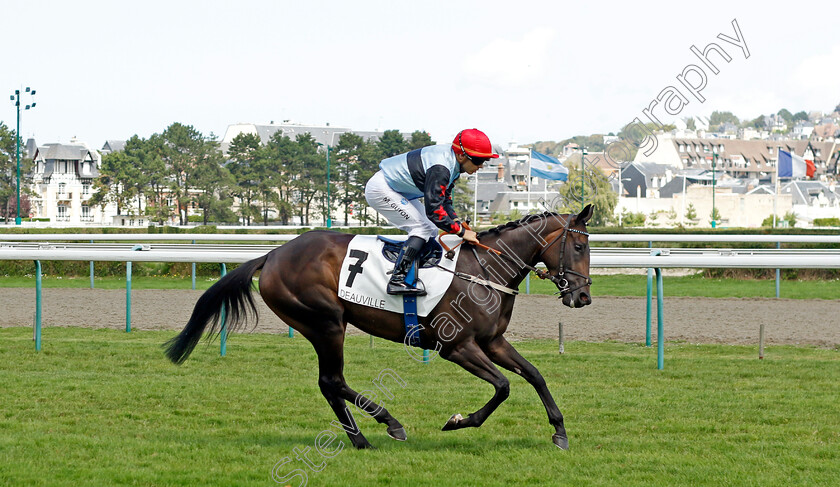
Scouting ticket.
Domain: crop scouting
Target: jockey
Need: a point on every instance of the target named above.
(430, 173)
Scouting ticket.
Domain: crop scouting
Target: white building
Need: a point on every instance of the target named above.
(62, 180)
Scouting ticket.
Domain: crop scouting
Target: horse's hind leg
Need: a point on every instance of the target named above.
(502, 353)
(335, 389)
(470, 356)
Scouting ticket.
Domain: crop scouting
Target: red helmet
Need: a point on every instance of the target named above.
(475, 143)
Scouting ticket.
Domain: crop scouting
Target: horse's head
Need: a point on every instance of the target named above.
(567, 258)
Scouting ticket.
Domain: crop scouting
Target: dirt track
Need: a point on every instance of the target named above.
(695, 320)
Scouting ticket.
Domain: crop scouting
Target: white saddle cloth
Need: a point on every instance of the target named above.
(364, 277)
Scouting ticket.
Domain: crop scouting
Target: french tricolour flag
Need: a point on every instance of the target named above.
(793, 166)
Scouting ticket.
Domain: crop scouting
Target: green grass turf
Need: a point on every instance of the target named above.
(611, 285)
(698, 286)
(103, 407)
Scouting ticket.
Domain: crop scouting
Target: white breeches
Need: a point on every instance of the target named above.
(407, 215)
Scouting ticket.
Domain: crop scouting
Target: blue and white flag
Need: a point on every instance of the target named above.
(547, 167)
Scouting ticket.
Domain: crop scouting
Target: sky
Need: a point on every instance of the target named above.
(520, 71)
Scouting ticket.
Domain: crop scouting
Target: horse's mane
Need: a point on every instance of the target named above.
(518, 223)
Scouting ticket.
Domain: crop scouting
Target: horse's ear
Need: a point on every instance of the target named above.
(585, 214)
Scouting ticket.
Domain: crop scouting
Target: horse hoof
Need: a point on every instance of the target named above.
(398, 434)
(452, 423)
(560, 441)
(365, 446)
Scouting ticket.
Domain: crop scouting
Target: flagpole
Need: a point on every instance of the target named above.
(529, 178)
(776, 191)
(475, 201)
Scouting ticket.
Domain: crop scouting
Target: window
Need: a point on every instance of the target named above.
(86, 188)
(86, 216)
(62, 188)
(62, 214)
(682, 147)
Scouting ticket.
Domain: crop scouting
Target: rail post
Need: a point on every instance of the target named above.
(649, 305)
(560, 337)
(37, 305)
(660, 322)
(128, 291)
(193, 272)
(761, 342)
(223, 331)
(778, 272)
(91, 271)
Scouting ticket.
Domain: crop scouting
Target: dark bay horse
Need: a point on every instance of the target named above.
(299, 282)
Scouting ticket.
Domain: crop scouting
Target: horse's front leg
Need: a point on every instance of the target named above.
(470, 356)
(502, 353)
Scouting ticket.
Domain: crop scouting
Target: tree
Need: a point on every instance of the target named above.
(691, 214)
(633, 134)
(718, 118)
(243, 153)
(280, 151)
(419, 140)
(150, 153)
(756, 123)
(632, 219)
(346, 157)
(369, 158)
(597, 191)
(691, 124)
(213, 183)
(8, 174)
(462, 198)
(786, 115)
(117, 182)
(391, 143)
(800, 115)
(183, 144)
(714, 216)
(309, 169)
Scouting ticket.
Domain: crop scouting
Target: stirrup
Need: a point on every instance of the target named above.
(402, 288)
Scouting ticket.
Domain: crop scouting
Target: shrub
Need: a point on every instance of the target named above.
(827, 222)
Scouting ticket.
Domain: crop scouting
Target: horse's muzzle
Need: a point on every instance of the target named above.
(577, 298)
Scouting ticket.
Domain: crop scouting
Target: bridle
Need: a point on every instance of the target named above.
(561, 282)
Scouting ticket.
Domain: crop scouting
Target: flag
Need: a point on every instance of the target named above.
(793, 166)
(547, 167)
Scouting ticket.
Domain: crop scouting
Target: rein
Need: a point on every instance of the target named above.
(562, 283)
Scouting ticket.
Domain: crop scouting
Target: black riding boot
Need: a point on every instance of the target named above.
(405, 260)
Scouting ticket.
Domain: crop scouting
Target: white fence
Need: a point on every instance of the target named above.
(39, 247)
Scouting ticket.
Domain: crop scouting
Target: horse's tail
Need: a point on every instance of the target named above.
(233, 291)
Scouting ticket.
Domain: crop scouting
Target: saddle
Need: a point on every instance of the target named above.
(429, 255)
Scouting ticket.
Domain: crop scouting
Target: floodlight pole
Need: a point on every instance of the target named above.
(16, 99)
(714, 160)
(582, 176)
(329, 211)
(17, 155)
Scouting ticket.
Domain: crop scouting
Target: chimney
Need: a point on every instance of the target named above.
(500, 176)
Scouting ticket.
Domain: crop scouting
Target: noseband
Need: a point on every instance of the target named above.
(561, 282)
